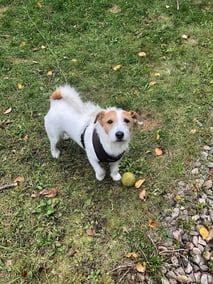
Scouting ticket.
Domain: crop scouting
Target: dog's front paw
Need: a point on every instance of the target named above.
(101, 175)
(116, 177)
(55, 153)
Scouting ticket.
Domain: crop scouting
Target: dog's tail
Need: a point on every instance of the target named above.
(68, 94)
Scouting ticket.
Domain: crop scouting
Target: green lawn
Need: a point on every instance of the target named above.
(165, 73)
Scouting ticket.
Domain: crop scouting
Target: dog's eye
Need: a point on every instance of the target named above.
(110, 121)
(126, 120)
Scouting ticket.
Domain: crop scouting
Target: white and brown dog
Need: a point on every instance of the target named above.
(103, 133)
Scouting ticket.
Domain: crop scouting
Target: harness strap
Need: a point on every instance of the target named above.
(101, 154)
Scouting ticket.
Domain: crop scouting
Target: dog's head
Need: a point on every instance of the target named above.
(117, 123)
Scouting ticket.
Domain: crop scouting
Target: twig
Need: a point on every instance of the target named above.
(122, 277)
(177, 4)
(7, 186)
(171, 251)
(128, 266)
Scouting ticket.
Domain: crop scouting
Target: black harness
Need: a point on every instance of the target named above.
(101, 154)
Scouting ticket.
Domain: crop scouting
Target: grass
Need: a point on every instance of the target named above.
(48, 43)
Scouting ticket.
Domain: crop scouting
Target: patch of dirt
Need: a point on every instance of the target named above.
(150, 122)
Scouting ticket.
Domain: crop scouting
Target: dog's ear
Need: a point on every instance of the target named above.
(99, 116)
(136, 117)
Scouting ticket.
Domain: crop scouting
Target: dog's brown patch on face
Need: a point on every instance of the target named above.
(128, 119)
(56, 95)
(107, 120)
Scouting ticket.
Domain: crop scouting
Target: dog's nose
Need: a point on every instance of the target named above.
(119, 135)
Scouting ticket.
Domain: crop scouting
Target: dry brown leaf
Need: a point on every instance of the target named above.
(49, 193)
(116, 67)
(72, 252)
(7, 111)
(19, 179)
(203, 232)
(152, 224)
(90, 232)
(142, 195)
(139, 183)
(141, 267)
(159, 151)
(132, 255)
(142, 54)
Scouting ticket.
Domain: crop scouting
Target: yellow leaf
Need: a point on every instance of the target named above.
(178, 197)
(7, 111)
(157, 136)
(116, 67)
(22, 43)
(152, 83)
(132, 255)
(193, 131)
(74, 60)
(142, 54)
(157, 74)
(159, 151)
(139, 183)
(141, 267)
(20, 86)
(152, 224)
(184, 36)
(142, 195)
(203, 232)
(39, 5)
(50, 73)
(43, 47)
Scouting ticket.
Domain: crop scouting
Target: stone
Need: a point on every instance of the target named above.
(195, 171)
(197, 259)
(174, 260)
(171, 275)
(204, 267)
(177, 235)
(189, 268)
(196, 251)
(175, 213)
(183, 279)
(201, 241)
(204, 156)
(204, 279)
(208, 184)
(164, 281)
(195, 240)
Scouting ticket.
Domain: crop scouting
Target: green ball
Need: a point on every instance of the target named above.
(128, 179)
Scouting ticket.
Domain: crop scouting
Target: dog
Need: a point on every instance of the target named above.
(104, 134)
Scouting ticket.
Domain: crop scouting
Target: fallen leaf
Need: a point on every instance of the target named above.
(157, 74)
(72, 252)
(22, 43)
(139, 183)
(90, 232)
(159, 151)
(43, 47)
(49, 193)
(116, 67)
(152, 224)
(210, 236)
(141, 267)
(50, 73)
(39, 5)
(152, 83)
(26, 137)
(211, 171)
(115, 9)
(193, 131)
(74, 60)
(184, 36)
(8, 110)
(132, 255)
(19, 179)
(34, 194)
(203, 232)
(20, 86)
(142, 195)
(158, 136)
(142, 54)
(178, 197)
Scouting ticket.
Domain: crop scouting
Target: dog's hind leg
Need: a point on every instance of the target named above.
(54, 137)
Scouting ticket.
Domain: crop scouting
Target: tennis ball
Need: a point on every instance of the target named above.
(128, 179)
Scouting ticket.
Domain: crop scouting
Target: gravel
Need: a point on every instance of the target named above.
(188, 253)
